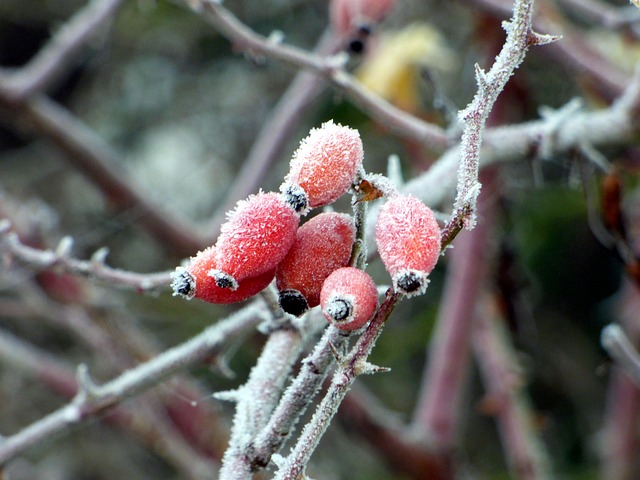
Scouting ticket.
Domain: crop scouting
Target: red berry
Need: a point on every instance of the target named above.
(324, 166)
(408, 238)
(323, 244)
(195, 281)
(349, 15)
(256, 237)
(349, 298)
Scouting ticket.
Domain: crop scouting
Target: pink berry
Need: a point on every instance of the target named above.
(324, 166)
(323, 244)
(194, 281)
(408, 238)
(349, 15)
(349, 298)
(256, 237)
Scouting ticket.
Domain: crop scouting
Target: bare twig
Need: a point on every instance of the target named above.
(520, 36)
(573, 51)
(257, 398)
(620, 440)
(59, 378)
(295, 400)
(92, 399)
(95, 268)
(54, 59)
(244, 38)
(353, 365)
(497, 360)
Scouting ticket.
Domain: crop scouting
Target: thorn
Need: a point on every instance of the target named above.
(535, 39)
(221, 365)
(276, 37)
(87, 388)
(5, 226)
(63, 250)
(481, 78)
(362, 367)
(232, 396)
(394, 170)
(336, 354)
(99, 257)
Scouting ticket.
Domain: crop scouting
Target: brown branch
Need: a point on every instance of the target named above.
(62, 50)
(331, 68)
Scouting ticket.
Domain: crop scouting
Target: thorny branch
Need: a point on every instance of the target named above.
(520, 36)
(354, 364)
(92, 399)
(61, 259)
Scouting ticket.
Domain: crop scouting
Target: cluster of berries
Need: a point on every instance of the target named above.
(261, 240)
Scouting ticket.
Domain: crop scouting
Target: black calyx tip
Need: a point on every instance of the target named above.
(223, 280)
(356, 46)
(183, 283)
(340, 309)
(296, 198)
(410, 282)
(293, 302)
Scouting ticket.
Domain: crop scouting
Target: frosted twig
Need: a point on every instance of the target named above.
(53, 60)
(520, 37)
(573, 52)
(618, 345)
(331, 68)
(59, 378)
(95, 268)
(88, 403)
(295, 400)
(354, 364)
(496, 357)
(257, 399)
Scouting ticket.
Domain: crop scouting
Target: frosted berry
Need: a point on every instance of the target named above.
(256, 237)
(350, 16)
(323, 244)
(324, 167)
(194, 281)
(349, 298)
(408, 239)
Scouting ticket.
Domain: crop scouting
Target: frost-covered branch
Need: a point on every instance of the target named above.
(350, 367)
(331, 68)
(295, 400)
(257, 398)
(520, 36)
(61, 259)
(92, 399)
(149, 424)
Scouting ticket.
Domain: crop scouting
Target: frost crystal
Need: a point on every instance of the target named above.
(183, 283)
